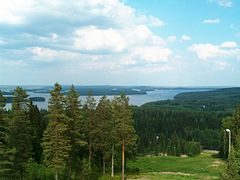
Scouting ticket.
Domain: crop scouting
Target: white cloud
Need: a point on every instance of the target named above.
(225, 3)
(209, 51)
(103, 34)
(152, 69)
(14, 12)
(54, 36)
(205, 51)
(211, 21)
(153, 21)
(45, 54)
(17, 12)
(115, 40)
(186, 38)
(229, 44)
(95, 39)
(151, 54)
(171, 39)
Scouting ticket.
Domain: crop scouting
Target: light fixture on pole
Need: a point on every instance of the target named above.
(229, 140)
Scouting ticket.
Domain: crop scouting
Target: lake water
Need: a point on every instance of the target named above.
(138, 100)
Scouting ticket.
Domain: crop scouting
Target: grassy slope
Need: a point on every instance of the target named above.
(203, 166)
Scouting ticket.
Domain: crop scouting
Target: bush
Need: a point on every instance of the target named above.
(89, 173)
(193, 148)
(38, 172)
(133, 171)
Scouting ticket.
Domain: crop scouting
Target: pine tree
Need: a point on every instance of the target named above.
(89, 119)
(56, 143)
(6, 154)
(232, 167)
(20, 131)
(73, 111)
(103, 128)
(37, 131)
(2, 109)
(236, 125)
(125, 133)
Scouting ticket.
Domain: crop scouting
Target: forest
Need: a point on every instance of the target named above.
(70, 140)
(85, 140)
(194, 118)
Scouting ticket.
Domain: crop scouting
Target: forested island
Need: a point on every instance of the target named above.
(89, 140)
(9, 99)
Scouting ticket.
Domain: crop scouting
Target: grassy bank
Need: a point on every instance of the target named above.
(204, 166)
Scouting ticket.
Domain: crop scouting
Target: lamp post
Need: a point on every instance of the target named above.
(229, 141)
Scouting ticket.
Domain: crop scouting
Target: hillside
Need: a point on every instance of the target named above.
(214, 100)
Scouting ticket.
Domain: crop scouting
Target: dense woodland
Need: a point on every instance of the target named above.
(69, 141)
(175, 132)
(188, 121)
(232, 123)
(82, 140)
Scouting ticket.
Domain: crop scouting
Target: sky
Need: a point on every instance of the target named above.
(120, 42)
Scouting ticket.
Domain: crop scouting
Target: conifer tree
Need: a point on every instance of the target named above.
(56, 143)
(20, 131)
(103, 128)
(236, 124)
(73, 111)
(89, 119)
(232, 167)
(6, 154)
(125, 133)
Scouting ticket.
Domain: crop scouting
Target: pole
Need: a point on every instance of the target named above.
(229, 141)
(123, 160)
(112, 173)
(224, 143)
(229, 146)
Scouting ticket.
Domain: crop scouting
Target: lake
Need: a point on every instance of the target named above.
(139, 99)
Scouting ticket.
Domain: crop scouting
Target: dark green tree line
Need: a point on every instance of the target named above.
(55, 143)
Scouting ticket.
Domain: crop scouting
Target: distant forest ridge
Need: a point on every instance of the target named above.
(224, 99)
(100, 90)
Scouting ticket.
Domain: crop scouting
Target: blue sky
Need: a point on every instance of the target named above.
(128, 42)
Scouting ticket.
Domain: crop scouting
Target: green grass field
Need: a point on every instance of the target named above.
(204, 166)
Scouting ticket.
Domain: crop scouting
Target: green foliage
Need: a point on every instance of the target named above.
(233, 166)
(122, 114)
(89, 122)
(6, 153)
(37, 131)
(86, 170)
(51, 144)
(7, 157)
(193, 148)
(203, 166)
(185, 125)
(56, 144)
(219, 100)
(74, 112)
(232, 172)
(20, 132)
(102, 130)
(38, 172)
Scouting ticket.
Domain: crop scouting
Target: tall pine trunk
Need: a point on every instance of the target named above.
(90, 144)
(90, 153)
(56, 176)
(69, 169)
(112, 174)
(104, 166)
(123, 159)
